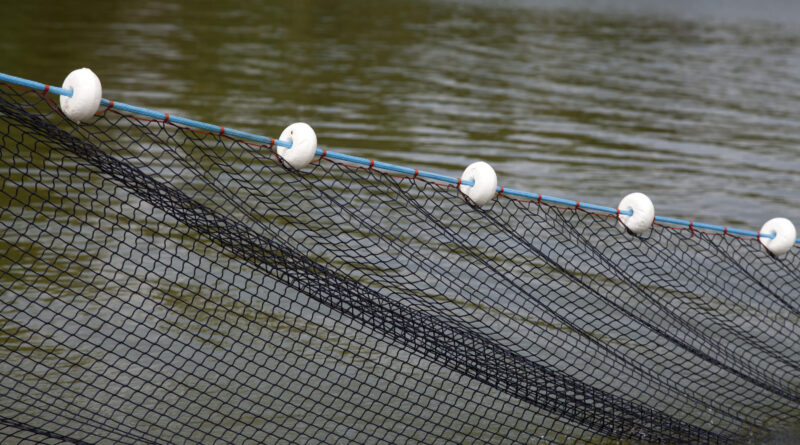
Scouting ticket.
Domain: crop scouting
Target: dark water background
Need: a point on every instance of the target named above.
(693, 102)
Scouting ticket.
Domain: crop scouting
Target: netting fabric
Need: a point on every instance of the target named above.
(164, 285)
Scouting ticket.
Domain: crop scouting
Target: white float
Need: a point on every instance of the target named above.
(785, 235)
(86, 94)
(485, 183)
(304, 145)
(643, 213)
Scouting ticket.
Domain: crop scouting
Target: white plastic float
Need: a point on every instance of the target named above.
(485, 183)
(785, 235)
(86, 94)
(644, 213)
(304, 145)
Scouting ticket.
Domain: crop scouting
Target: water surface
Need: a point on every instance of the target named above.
(693, 103)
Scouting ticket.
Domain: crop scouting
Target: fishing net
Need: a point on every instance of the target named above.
(164, 285)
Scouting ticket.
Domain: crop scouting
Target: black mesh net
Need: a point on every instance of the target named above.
(164, 285)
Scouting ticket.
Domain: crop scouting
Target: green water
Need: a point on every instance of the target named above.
(693, 103)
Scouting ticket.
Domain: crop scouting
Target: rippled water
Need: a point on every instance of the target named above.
(693, 103)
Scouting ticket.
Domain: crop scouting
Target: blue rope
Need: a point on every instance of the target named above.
(34, 85)
(37, 86)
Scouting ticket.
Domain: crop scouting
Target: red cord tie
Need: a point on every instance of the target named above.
(539, 201)
(221, 131)
(371, 164)
(46, 88)
(416, 173)
(577, 205)
(166, 117)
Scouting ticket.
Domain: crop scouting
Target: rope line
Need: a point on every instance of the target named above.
(178, 120)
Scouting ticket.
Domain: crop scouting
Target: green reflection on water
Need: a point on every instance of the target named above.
(588, 104)
(588, 101)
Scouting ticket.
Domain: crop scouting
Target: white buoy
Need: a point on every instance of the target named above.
(785, 235)
(304, 145)
(643, 213)
(86, 94)
(485, 183)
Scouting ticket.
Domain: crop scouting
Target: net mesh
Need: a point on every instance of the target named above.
(165, 285)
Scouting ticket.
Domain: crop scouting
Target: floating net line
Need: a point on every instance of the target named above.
(160, 284)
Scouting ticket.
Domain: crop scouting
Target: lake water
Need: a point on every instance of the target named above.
(693, 103)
